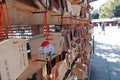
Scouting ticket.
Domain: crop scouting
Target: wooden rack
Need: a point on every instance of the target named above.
(74, 26)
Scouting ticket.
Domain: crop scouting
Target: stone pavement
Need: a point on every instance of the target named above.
(106, 59)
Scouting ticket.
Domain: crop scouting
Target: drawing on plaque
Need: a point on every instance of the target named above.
(47, 48)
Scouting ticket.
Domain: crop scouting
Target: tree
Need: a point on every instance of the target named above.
(117, 11)
(95, 14)
(107, 10)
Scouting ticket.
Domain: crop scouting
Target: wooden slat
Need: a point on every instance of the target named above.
(33, 67)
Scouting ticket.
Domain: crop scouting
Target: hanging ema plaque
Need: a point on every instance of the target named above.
(42, 48)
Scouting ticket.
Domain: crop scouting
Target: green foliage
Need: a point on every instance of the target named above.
(95, 14)
(117, 11)
(95, 11)
(108, 9)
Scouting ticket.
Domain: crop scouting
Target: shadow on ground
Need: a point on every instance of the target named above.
(105, 62)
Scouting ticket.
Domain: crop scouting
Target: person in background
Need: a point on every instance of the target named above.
(118, 25)
(103, 28)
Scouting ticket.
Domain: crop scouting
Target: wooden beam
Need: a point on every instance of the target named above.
(28, 3)
(20, 14)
